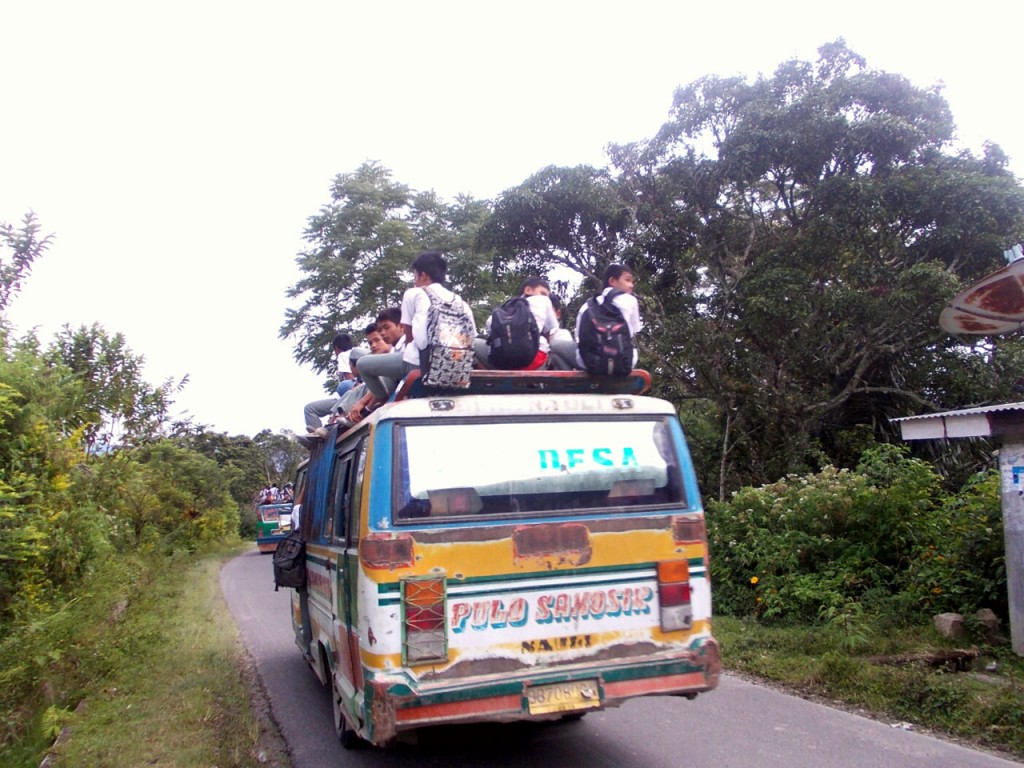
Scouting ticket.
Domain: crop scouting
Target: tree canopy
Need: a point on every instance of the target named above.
(25, 246)
(361, 244)
(794, 236)
(800, 235)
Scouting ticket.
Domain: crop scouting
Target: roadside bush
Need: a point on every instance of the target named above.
(962, 566)
(835, 545)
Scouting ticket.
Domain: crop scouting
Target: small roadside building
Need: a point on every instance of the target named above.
(1005, 425)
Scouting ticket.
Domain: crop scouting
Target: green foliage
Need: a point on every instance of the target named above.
(248, 464)
(54, 719)
(119, 647)
(115, 405)
(44, 545)
(73, 523)
(361, 245)
(48, 661)
(796, 237)
(962, 567)
(61, 513)
(571, 218)
(191, 493)
(839, 546)
(159, 495)
(25, 247)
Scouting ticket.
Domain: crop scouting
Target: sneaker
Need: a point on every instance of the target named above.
(319, 432)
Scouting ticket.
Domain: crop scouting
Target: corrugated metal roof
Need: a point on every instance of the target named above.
(986, 421)
(985, 409)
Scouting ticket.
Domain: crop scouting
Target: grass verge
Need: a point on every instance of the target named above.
(982, 706)
(149, 671)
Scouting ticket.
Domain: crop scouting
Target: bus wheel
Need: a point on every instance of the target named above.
(346, 735)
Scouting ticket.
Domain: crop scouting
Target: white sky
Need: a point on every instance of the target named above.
(177, 149)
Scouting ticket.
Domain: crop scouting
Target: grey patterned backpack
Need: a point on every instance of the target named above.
(447, 359)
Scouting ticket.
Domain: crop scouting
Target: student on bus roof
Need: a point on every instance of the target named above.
(430, 268)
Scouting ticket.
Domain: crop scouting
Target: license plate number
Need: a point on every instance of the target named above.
(563, 697)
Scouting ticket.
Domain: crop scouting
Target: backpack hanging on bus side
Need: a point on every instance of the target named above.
(605, 342)
(514, 337)
(447, 360)
(290, 562)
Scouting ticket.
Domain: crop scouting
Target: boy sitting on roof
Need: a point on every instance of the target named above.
(430, 269)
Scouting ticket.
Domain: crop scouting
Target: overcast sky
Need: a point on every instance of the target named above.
(176, 150)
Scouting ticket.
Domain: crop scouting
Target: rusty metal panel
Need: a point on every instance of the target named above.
(995, 304)
(552, 539)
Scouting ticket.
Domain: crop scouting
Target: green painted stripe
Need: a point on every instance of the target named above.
(536, 677)
(659, 670)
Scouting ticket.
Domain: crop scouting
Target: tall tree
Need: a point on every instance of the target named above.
(800, 235)
(361, 244)
(117, 404)
(566, 222)
(25, 247)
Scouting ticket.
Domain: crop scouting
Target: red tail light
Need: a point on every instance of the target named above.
(674, 595)
(424, 626)
(424, 619)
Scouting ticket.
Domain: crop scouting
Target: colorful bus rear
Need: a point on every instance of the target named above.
(273, 521)
(531, 549)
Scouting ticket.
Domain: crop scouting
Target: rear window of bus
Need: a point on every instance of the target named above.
(464, 469)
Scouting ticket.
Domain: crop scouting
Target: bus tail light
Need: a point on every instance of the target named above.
(674, 595)
(424, 625)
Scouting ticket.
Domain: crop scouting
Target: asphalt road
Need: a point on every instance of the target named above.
(739, 725)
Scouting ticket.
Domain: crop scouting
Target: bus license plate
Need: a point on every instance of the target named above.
(563, 697)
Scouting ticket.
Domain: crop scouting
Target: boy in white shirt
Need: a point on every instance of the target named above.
(430, 269)
(315, 410)
(617, 277)
(537, 293)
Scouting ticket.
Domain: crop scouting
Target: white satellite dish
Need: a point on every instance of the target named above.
(995, 304)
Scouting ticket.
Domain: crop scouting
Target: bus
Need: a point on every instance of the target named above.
(532, 548)
(273, 522)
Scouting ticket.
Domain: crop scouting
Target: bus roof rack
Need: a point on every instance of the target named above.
(487, 382)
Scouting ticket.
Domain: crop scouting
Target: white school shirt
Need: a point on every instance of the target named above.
(545, 317)
(415, 304)
(344, 367)
(561, 334)
(630, 309)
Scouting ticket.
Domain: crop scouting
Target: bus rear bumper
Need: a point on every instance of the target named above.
(267, 544)
(395, 708)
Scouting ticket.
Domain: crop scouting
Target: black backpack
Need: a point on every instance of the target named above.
(605, 342)
(290, 562)
(514, 337)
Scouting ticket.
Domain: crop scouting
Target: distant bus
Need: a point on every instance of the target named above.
(532, 548)
(273, 522)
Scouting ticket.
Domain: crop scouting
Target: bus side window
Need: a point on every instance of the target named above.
(355, 495)
(339, 494)
(305, 526)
